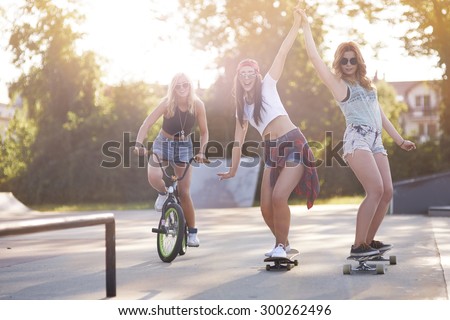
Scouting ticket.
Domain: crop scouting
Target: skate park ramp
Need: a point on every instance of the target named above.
(419, 195)
(9, 204)
(208, 191)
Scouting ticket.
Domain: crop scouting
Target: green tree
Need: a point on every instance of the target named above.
(58, 88)
(128, 105)
(15, 153)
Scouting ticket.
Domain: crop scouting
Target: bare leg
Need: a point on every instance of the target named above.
(366, 170)
(185, 195)
(286, 182)
(155, 176)
(266, 200)
(385, 171)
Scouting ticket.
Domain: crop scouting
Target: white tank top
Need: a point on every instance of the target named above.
(273, 107)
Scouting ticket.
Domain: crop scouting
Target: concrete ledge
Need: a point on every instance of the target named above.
(443, 211)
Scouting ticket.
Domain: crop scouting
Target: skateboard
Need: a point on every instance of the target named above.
(368, 264)
(283, 263)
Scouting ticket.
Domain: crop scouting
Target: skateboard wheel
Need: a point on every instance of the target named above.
(347, 269)
(267, 267)
(288, 267)
(295, 262)
(380, 269)
(392, 260)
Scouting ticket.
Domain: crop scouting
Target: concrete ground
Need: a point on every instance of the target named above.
(70, 264)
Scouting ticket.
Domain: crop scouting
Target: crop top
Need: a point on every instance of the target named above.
(272, 105)
(362, 108)
(181, 121)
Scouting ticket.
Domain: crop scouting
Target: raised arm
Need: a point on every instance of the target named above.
(337, 86)
(278, 63)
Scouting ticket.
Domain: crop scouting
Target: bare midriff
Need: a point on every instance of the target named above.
(278, 127)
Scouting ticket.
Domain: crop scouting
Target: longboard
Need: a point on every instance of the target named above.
(283, 263)
(368, 264)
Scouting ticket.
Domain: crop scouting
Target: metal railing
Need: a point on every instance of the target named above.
(21, 227)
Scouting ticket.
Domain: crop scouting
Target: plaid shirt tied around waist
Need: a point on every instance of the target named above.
(277, 151)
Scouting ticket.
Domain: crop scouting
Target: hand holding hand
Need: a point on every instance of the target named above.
(297, 13)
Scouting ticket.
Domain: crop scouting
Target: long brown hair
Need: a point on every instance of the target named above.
(238, 92)
(171, 97)
(361, 71)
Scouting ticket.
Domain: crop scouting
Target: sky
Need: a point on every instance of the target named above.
(136, 44)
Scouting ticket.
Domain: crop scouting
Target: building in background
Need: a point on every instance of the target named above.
(423, 99)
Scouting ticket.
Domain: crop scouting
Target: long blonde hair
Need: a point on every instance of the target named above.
(171, 97)
(361, 72)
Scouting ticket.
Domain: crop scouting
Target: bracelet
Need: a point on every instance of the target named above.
(402, 143)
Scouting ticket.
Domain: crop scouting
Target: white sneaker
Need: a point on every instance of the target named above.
(269, 254)
(279, 252)
(160, 201)
(192, 240)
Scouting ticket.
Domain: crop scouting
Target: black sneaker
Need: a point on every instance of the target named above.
(380, 245)
(363, 250)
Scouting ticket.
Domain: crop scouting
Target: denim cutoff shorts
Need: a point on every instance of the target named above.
(362, 137)
(290, 152)
(177, 151)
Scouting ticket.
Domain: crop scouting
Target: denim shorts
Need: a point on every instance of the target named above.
(362, 137)
(177, 151)
(285, 147)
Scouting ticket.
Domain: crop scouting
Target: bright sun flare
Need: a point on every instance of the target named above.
(144, 40)
(140, 45)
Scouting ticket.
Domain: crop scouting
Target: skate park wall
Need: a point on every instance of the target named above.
(207, 191)
(419, 194)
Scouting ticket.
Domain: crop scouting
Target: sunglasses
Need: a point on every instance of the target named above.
(345, 61)
(183, 85)
(247, 75)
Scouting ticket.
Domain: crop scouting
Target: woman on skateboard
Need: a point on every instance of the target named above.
(363, 147)
(288, 158)
(180, 109)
